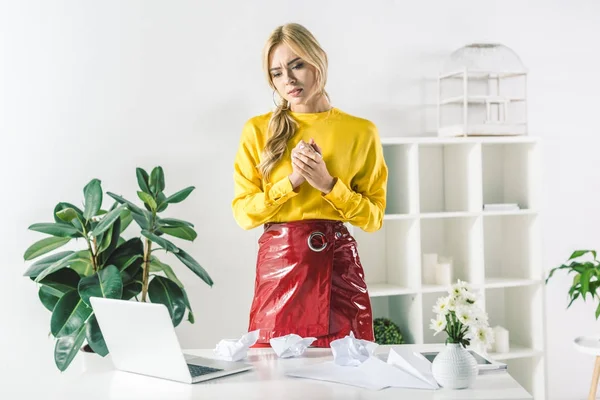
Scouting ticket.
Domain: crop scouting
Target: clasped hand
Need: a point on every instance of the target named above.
(308, 165)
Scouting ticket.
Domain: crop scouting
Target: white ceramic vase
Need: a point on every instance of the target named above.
(454, 367)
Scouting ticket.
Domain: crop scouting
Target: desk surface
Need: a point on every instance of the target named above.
(93, 378)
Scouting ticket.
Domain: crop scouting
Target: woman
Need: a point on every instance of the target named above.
(302, 171)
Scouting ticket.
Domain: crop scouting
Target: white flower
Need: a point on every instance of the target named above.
(464, 316)
(441, 306)
(438, 324)
(459, 287)
(452, 303)
(483, 335)
(480, 317)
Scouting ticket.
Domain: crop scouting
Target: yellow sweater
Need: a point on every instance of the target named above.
(353, 154)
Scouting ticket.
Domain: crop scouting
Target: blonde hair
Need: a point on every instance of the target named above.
(281, 125)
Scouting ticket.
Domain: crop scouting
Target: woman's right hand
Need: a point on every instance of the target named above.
(295, 177)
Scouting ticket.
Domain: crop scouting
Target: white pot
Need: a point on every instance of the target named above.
(454, 367)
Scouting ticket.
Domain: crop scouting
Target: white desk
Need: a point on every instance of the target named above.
(92, 377)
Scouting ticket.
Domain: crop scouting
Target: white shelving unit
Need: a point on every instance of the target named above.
(436, 191)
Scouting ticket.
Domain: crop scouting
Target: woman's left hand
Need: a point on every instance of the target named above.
(312, 167)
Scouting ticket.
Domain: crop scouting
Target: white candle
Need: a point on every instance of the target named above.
(429, 262)
(501, 344)
(443, 273)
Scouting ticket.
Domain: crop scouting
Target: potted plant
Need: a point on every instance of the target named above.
(387, 332)
(465, 323)
(109, 265)
(585, 266)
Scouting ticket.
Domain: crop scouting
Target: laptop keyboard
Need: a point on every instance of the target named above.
(198, 370)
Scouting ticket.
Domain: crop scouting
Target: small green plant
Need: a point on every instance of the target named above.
(587, 276)
(109, 265)
(387, 332)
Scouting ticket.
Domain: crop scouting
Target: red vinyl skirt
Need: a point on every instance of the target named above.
(309, 281)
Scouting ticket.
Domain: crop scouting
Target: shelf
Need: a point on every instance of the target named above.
(402, 179)
(508, 213)
(385, 289)
(447, 178)
(480, 74)
(492, 283)
(429, 288)
(456, 214)
(516, 351)
(483, 129)
(398, 217)
(479, 99)
(436, 140)
(509, 174)
(390, 256)
(458, 238)
(518, 309)
(510, 247)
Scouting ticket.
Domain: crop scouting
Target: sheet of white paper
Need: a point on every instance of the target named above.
(374, 374)
(412, 362)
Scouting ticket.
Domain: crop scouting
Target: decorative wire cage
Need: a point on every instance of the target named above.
(482, 91)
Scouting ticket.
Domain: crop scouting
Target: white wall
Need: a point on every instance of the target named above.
(94, 89)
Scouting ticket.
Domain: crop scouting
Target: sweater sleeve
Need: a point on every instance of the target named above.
(362, 202)
(254, 204)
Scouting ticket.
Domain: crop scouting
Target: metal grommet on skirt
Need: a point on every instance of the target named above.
(322, 237)
(338, 235)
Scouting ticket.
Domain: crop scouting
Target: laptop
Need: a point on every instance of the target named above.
(141, 339)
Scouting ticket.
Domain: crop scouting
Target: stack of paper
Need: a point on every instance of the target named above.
(404, 368)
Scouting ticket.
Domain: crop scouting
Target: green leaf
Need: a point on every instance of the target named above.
(164, 243)
(55, 229)
(128, 258)
(126, 219)
(67, 214)
(132, 289)
(44, 246)
(105, 283)
(575, 296)
(142, 178)
(597, 311)
(48, 297)
(180, 196)
(94, 337)
(37, 267)
(67, 348)
(161, 200)
(110, 241)
(107, 221)
(64, 280)
(192, 264)
(157, 180)
(69, 315)
(82, 264)
(164, 291)
(63, 263)
(585, 281)
(174, 222)
(191, 318)
(141, 220)
(579, 253)
(104, 239)
(93, 198)
(62, 206)
(130, 206)
(157, 266)
(148, 199)
(182, 232)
